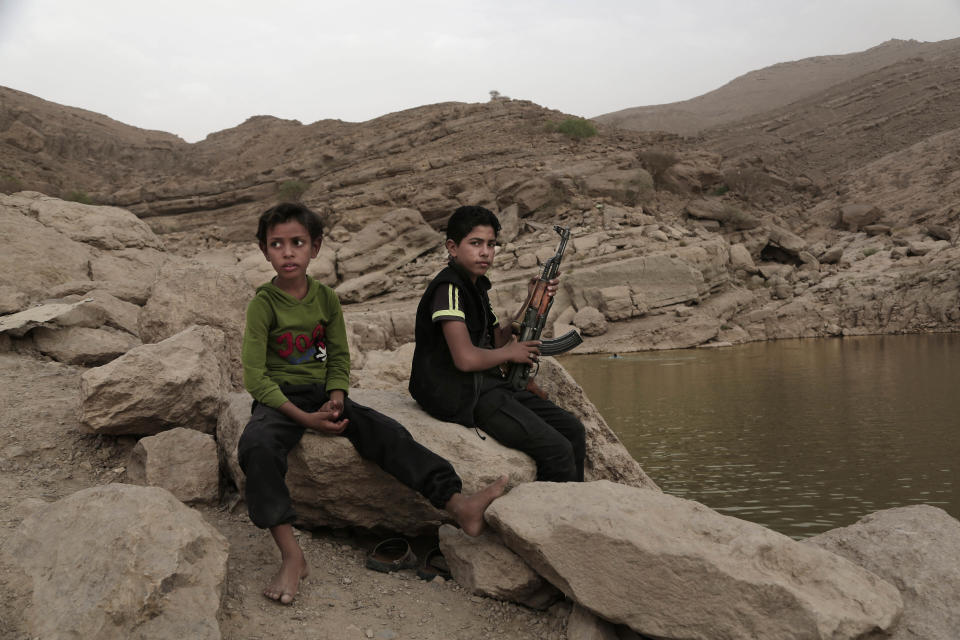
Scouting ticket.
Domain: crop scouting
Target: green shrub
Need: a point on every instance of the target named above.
(575, 128)
(291, 190)
(719, 190)
(78, 196)
(869, 251)
(10, 184)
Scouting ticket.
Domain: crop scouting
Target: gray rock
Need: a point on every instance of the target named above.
(832, 255)
(82, 345)
(940, 232)
(509, 223)
(187, 294)
(118, 561)
(20, 323)
(616, 303)
(484, 566)
(855, 216)
(583, 625)
(98, 226)
(740, 258)
(23, 238)
(364, 287)
(154, 387)
(787, 240)
(103, 309)
(673, 568)
(182, 461)
(917, 549)
(590, 321)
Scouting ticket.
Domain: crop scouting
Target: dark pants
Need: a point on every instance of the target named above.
(554, 438)
(270, 435)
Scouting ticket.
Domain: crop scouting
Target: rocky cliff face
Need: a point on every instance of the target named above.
(833, 214)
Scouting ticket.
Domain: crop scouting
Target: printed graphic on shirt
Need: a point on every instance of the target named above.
(303, 348)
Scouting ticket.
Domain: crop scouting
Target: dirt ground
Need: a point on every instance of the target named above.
(44, 456)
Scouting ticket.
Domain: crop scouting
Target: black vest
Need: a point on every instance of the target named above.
(436, 384)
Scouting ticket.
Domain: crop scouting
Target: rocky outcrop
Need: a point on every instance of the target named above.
(119, 561)
(397, 238)
(672, 568)
(174, 383)
(182, 461)
(917, 549)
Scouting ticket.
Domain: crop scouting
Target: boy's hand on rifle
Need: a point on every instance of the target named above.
(551, 289)
(522, 352)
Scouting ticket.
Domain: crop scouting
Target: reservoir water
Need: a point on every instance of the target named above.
(801, 436)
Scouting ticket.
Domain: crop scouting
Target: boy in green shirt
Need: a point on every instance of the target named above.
(296, 365)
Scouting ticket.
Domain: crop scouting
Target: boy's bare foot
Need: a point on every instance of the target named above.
(293, 566)
(286, 582)
(468, 510)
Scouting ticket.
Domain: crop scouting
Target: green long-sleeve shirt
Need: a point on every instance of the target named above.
(290, 341)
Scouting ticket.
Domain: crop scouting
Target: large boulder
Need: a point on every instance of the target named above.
(332, 486)
(396, 239)
(182, 461)
(484, 566)
(917, 549)
(174, 383)
(83, 346)
(673, 568)
(657, 280)
(102, 227)
(116, 562)
(23, 238)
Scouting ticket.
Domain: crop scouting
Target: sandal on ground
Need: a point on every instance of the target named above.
(392, 554)
(434, 565)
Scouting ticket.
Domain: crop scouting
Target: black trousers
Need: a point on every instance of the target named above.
(553, 437)
(270, 435)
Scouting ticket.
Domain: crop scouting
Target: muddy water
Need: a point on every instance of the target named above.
(799, 435)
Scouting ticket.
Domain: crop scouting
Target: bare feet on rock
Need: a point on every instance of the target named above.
(286, 582)
(468, 510)
(293, 566)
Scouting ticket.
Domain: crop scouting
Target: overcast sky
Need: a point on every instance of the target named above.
(199, 66)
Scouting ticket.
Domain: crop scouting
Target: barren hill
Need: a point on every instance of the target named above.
(769, 88)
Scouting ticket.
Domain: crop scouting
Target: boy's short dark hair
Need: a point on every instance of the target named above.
(464, 219)
(286, 211)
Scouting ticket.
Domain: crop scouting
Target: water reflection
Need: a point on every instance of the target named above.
(799, 435)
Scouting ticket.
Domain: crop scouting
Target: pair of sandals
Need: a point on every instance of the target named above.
(395, 554)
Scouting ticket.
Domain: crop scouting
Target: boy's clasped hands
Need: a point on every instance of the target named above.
(324, 419)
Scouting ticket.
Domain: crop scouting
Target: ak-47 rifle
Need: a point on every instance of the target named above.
(535, 313)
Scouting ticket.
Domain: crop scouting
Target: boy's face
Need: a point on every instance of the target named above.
(289, 250)
(475, 252)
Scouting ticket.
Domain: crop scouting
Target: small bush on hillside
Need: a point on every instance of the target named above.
(575, 128)
(639, 189)
(10, 184)
(291, 190)
(747, 181)
(657, 162)
(78, 196)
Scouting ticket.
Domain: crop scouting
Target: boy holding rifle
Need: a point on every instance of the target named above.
(461, 344)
